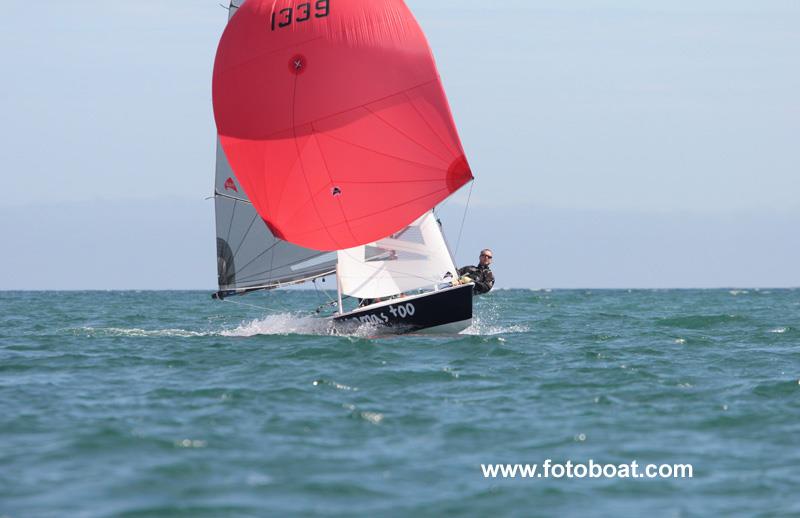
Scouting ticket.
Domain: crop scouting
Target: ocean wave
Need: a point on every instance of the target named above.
(699, 321)
(480, 329)
(136, 332)
(487, 321)
(304, 324)
(297, 324)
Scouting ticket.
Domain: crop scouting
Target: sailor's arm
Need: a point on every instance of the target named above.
(465, 275)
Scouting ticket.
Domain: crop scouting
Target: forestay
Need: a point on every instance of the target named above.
(417, 257)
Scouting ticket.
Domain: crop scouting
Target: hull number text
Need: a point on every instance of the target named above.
(398, 312)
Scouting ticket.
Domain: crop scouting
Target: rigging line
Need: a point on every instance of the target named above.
(272, 261)
(320, 292)
(244, 237)
(464, 217)
(256, 258)
(316, 289)
(261, 308)
(230, 225)
(222, 195)
(272, 301)
(330, 302)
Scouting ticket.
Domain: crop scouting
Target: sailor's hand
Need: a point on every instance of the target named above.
(464, 280)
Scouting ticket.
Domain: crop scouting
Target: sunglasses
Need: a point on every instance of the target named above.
(487, 256)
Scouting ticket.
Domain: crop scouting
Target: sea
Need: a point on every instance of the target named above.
(139, 404)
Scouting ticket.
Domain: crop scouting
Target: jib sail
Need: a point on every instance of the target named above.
(417, 257)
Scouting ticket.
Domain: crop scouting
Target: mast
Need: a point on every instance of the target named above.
(339, 289)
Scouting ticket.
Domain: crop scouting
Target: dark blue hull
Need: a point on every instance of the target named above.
(446, 311)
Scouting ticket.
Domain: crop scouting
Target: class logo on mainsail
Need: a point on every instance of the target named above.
(230, 185)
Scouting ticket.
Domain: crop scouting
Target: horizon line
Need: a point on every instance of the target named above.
(211, 291)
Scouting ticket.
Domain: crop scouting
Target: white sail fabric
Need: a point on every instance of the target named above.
(414, 258)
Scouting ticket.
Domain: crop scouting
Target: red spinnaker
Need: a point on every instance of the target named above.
(333, 118)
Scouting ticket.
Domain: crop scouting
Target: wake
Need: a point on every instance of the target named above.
(281, 324)
(99, 332)
(285, 324)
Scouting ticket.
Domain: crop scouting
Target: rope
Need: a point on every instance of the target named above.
(319, 293)
(464, 217)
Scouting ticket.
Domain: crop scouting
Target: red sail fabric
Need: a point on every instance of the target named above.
(333, 118)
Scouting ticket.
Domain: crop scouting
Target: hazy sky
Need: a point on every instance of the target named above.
(572, 114)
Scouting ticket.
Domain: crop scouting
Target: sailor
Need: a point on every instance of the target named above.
(481, 275)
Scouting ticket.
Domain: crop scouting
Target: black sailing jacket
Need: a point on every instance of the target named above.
(481, 275)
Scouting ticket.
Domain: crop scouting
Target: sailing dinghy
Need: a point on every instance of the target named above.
(335, 144)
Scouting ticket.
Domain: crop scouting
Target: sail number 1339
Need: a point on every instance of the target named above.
(300, 13)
